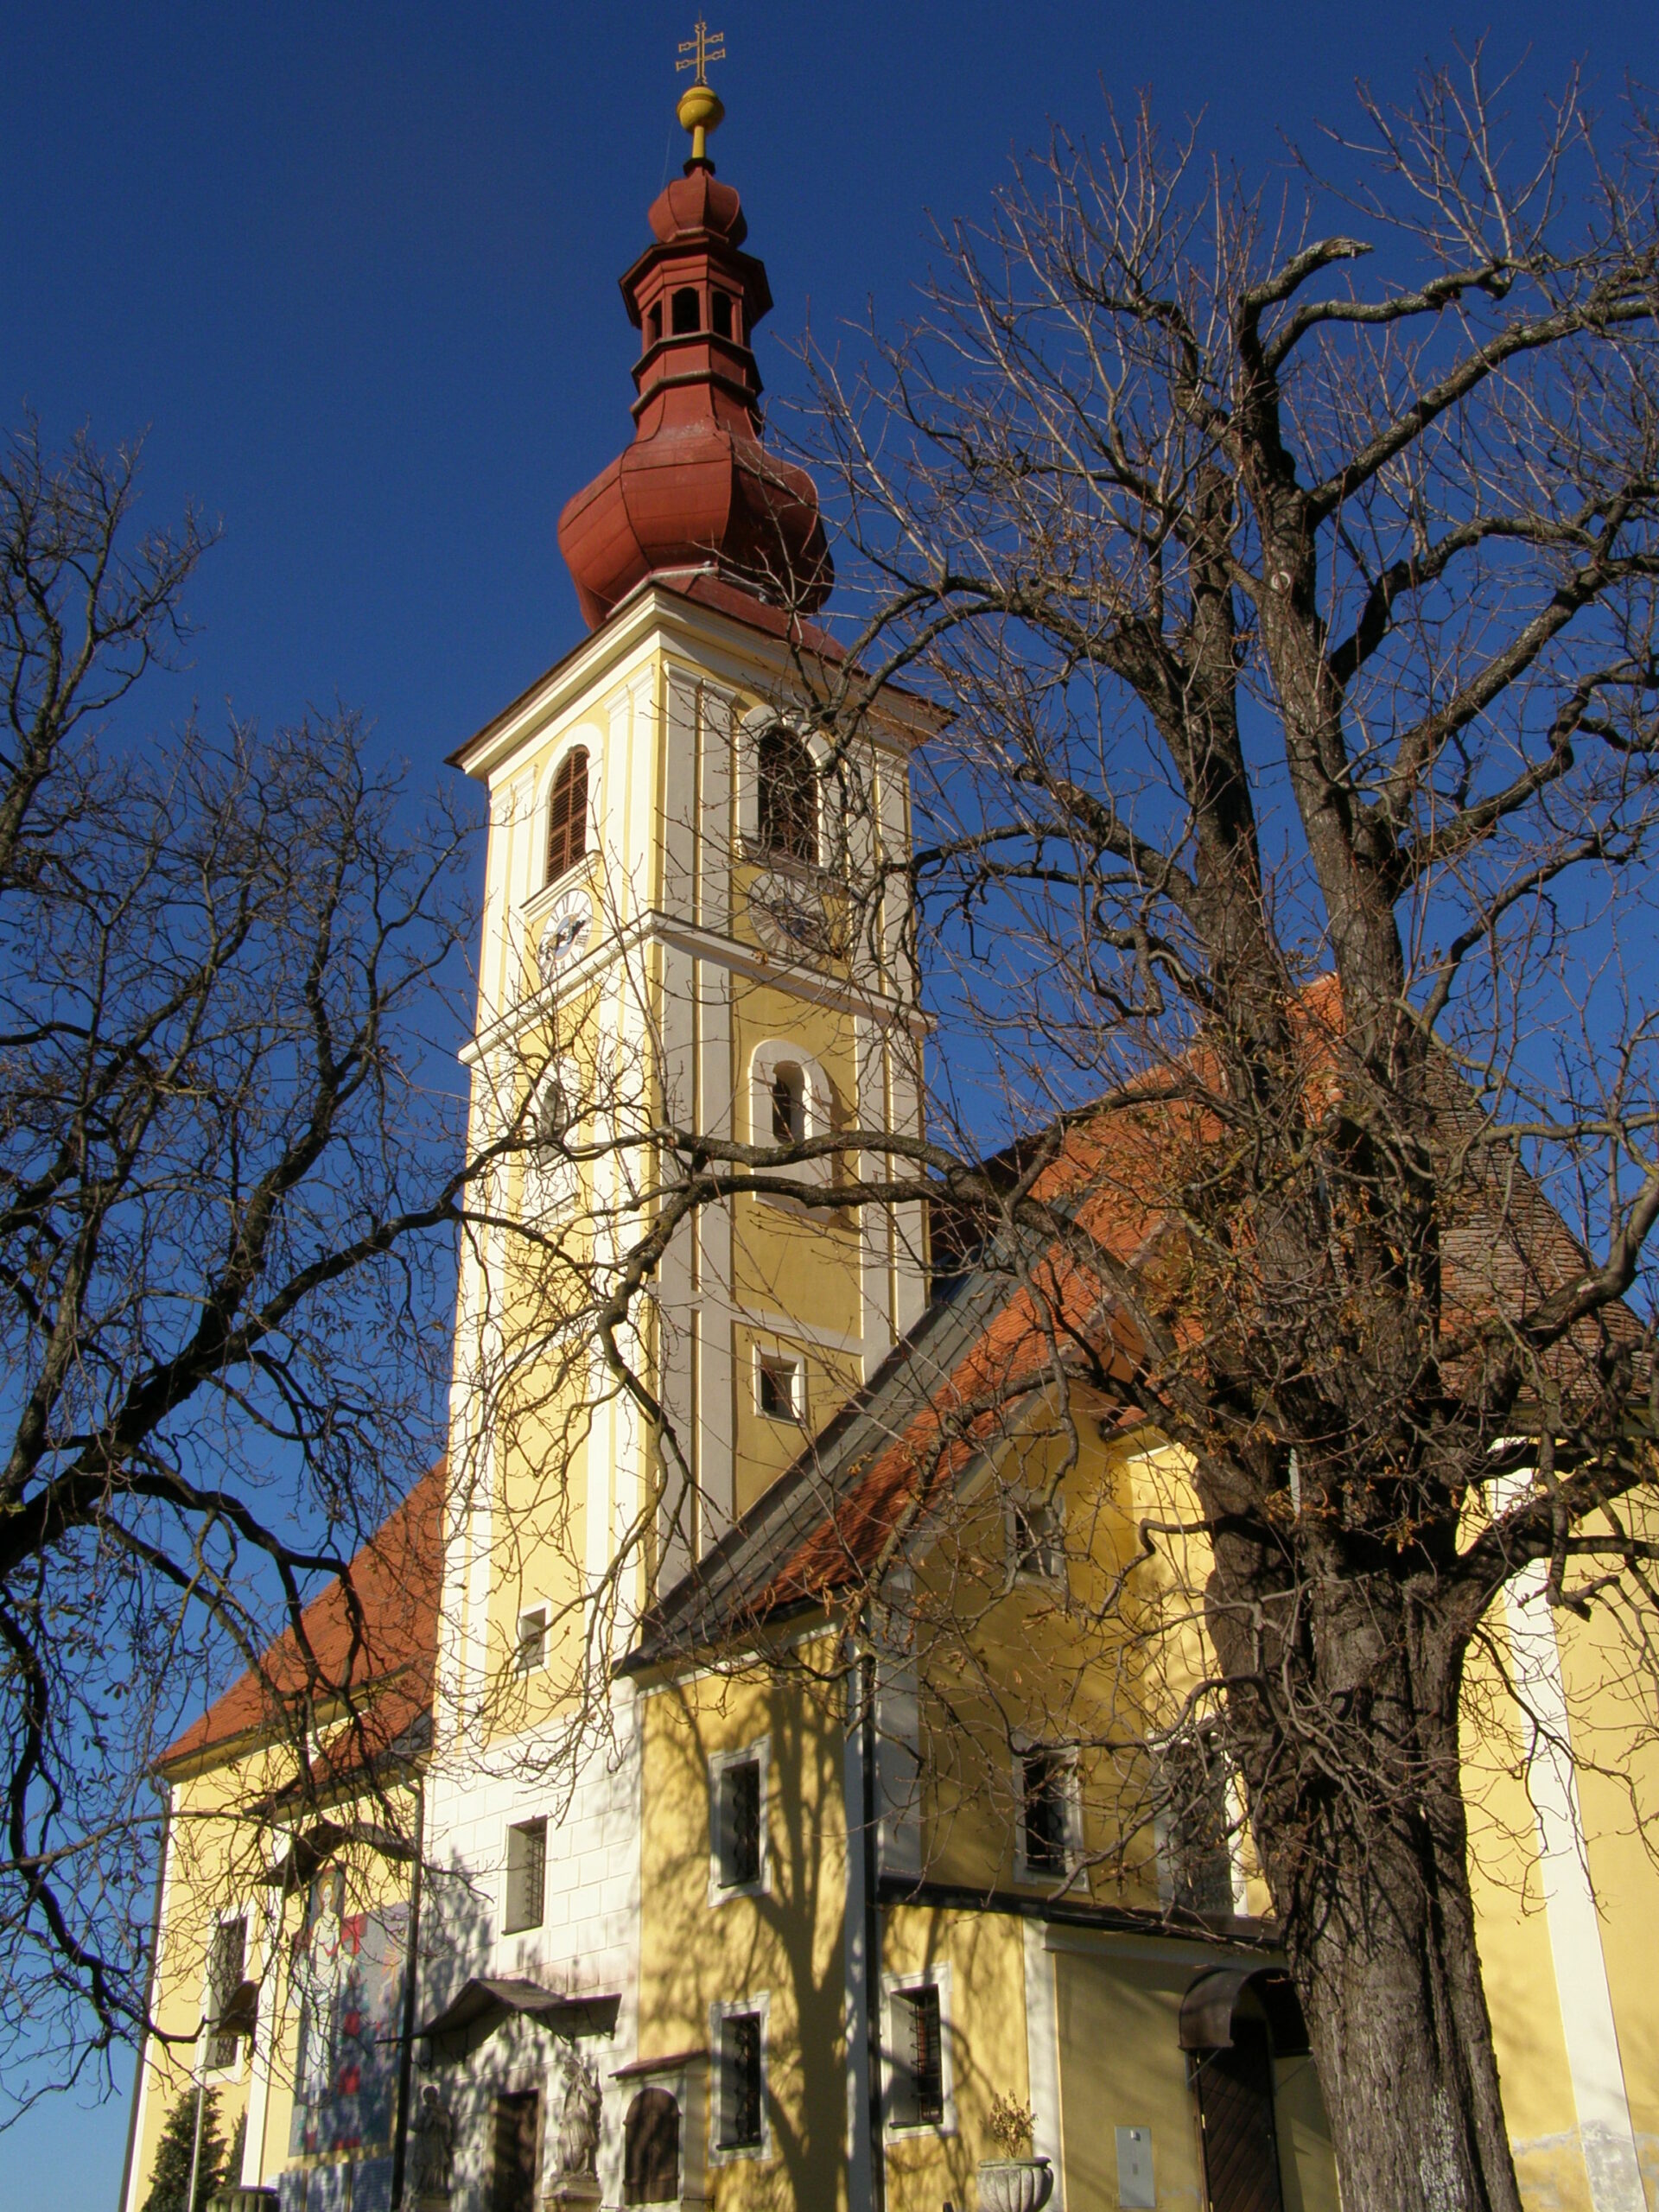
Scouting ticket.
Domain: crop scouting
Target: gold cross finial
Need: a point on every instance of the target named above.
(707, 46)
(700, 110)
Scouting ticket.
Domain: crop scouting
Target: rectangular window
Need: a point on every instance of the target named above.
(777, 1386)
(227, 1970)
(532, 1651)
(737, 1811)
(918, 2057)
(1046, 1788)
(1035, 1549)
(1190, 1787)
(741, 2081)
(526, 1877)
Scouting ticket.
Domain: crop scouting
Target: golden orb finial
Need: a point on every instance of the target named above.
(699, 110)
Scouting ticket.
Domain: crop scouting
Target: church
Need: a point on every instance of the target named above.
(654, 1873)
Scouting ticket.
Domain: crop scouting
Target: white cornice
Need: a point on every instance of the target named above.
(884, 1007)
(655, 618)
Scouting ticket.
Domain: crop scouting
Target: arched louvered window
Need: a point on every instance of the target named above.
(650, 2149)
(788, 793)
(567, 814)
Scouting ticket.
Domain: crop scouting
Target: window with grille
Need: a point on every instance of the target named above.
(1047, 1795)
(788, 794)
(567, 814)
(738, 1808)
(227, 1970)
(532, 1651)
(650, 2149)
(526, 1877)
(742, 2085)
(918, 2057)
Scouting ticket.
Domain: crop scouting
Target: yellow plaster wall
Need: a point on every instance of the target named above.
(219, 1851)
(985, 1954)
(1121, 2065)
(786, 1943)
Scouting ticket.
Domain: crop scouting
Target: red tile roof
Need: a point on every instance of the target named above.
(383, 1659)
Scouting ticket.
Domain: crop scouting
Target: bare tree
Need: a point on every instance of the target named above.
(230, 1169)
(1293, 590)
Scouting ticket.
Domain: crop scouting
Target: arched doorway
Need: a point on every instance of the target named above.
(1234, 2021)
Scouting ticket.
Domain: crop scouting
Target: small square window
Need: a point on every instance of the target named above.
(742, 2083)
(526, 1877)
(530, 1651)
(1047, 1806)
(738, 1815)
(918, 2057)
(1036, 1551)
(777, 1386)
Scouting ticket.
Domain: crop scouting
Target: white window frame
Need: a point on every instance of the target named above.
(772, 1355)
(894, 1987)
(1051, 1573)
(751, 727)
(1044, 1878)
(524, 1820)
(721, 2154)
(817, 1101)
(1237, 1816)
(720, 1764)
(527, 1612)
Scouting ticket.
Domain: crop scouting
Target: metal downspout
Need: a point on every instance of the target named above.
(412, 1974)
(873, 1942)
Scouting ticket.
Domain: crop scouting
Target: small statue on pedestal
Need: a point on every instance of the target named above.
(431, 2155)
(574, 2188)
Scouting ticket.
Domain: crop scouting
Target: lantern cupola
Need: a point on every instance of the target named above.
(696, 500)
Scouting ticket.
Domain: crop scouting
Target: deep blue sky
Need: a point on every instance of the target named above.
(353, 271)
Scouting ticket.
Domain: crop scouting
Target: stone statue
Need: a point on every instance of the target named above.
(432, 2151)
(579, 2119)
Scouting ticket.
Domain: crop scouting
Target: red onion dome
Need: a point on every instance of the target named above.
(698, 493)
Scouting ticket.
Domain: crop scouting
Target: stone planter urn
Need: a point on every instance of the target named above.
(1015, 2184)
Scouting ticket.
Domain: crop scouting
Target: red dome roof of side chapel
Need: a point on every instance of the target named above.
(697, 495)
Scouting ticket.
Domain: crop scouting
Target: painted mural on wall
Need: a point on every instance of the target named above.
(348, 1980)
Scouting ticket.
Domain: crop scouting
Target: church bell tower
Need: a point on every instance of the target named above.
(687, 950)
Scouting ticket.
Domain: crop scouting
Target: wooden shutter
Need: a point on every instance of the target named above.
(567, 814)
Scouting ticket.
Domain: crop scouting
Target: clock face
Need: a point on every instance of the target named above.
(564, 934)
(789, 918)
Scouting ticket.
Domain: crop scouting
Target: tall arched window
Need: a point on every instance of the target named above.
(567, 814)
(788, 794)
(686, 310)
(650, 2149)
